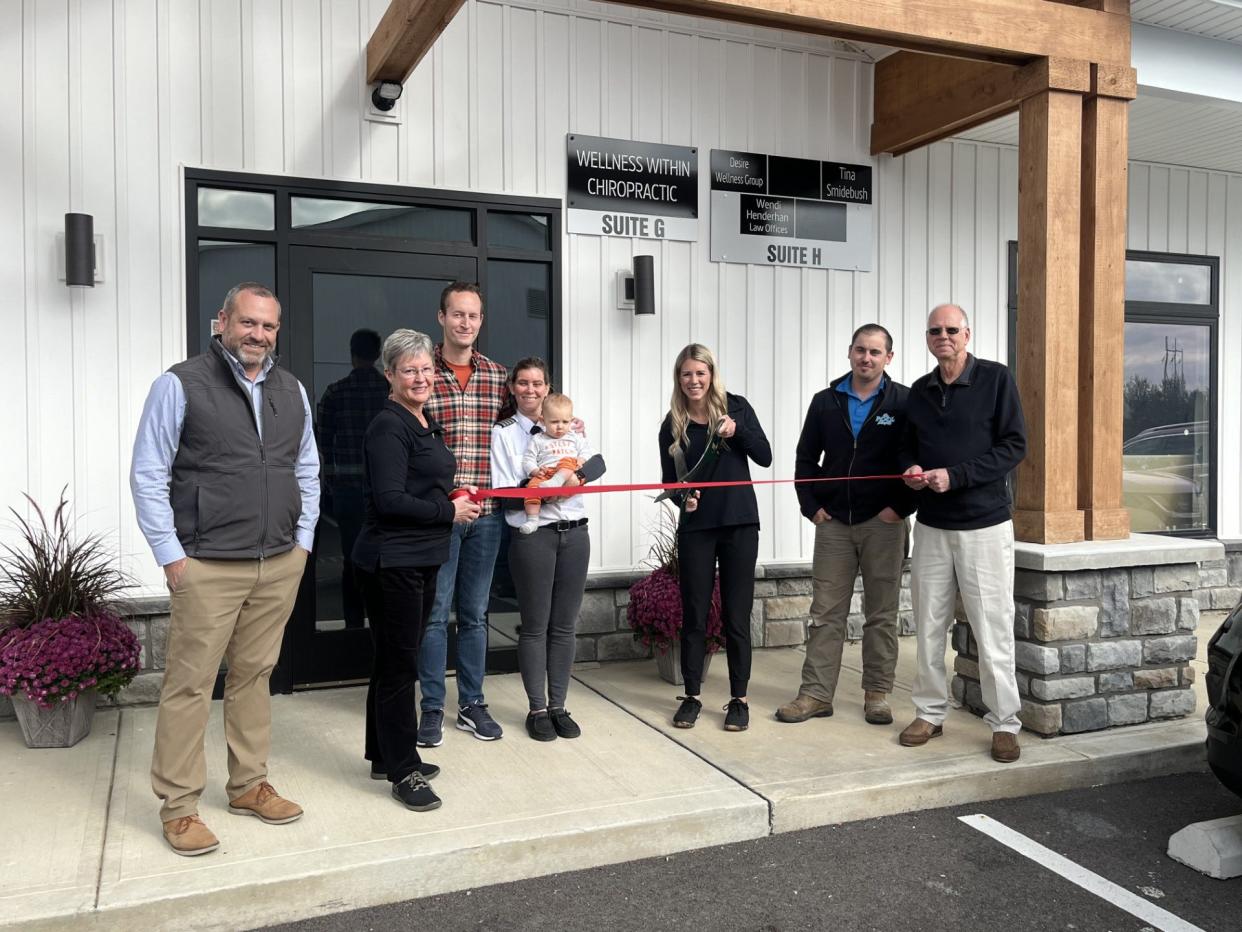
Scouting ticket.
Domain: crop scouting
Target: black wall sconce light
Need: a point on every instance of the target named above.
(80, 250)
(636, 289)
(385, 95)
(644, 285)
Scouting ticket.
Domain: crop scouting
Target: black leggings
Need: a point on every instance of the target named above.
(736, 549)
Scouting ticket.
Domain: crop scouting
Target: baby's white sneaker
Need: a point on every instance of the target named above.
(529, 526)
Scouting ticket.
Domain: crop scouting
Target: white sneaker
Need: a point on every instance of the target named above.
(529, 526)
(556, 480)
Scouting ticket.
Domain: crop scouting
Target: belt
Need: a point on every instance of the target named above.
(561, 526)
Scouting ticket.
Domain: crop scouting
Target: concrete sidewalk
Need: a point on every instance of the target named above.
(91, 855)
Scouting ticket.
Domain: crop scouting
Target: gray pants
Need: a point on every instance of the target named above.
(842, 551)
(549, 571)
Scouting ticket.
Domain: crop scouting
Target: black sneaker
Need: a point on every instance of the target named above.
(737, 715)
(688, 712)
(428, 770)
(565, 726)
(431, 729)
(476, 720)
(539, 726)
(415, 793)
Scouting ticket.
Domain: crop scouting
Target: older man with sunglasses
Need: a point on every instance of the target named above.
(964, 434)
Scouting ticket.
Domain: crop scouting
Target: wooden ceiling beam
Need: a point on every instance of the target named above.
(988, 30)
(404, 35)
(920, 98)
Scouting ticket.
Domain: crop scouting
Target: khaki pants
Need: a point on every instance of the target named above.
(979, 564)
(236, 609)
(841, 551)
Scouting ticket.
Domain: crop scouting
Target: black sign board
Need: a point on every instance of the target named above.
(755, 173)
(779, 210)
(624, 176)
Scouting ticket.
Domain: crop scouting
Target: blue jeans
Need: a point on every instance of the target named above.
(468, 575)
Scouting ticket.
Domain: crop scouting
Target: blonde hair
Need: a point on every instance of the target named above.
(679, 410)
(558, 402)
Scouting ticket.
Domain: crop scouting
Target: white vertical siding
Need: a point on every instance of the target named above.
(115, 97)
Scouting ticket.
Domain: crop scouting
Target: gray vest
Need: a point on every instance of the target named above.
(235, 495)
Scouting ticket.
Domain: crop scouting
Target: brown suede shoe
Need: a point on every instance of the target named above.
(263, 801)
(802, 708)
(876, 709)
(1005, 747)
(189, 837)
(919, 732)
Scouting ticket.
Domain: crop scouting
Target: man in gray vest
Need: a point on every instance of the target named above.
(225, 479)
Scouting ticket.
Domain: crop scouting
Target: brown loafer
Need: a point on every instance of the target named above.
(189, 837)
(1005, 747)
(876, 709)
(919, 732)
(802, 708)
(265, 803)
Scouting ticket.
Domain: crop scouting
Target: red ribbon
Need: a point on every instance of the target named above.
(560, 490)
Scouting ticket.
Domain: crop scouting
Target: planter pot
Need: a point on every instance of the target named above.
(61, 726)
(669, 663)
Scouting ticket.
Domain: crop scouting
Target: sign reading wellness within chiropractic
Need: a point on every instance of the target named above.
(618, 187)
(773, 210)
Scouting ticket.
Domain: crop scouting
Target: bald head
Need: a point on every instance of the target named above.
(954, 311)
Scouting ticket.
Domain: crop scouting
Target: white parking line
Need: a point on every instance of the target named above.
(1120, 897)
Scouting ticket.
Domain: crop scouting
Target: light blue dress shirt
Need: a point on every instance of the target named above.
(155, 448)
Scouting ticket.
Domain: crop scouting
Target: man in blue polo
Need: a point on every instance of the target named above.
(853, 428)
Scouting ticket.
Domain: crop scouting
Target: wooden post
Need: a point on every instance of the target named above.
(1101, 362)
(1049, 248)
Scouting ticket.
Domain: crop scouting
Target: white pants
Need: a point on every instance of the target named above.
(979, 564)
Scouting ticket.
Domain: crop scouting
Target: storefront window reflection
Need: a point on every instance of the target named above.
(1166, 448)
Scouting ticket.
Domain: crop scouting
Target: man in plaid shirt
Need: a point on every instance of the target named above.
(468, 394)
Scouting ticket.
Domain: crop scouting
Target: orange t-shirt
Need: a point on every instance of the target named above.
(462, 373)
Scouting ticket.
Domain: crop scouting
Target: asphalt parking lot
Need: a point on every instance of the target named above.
(920, 871)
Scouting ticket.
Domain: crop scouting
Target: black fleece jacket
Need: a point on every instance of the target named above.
(973, 427)
(827, 448)
(731, 506)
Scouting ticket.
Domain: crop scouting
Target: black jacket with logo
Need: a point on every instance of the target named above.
(973, 427)
(827, 448)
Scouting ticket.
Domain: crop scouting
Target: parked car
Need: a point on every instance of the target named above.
(1165, 477)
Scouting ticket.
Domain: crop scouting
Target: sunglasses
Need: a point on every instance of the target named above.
(951, 331)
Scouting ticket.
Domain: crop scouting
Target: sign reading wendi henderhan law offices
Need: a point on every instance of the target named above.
(773, 210)
(619, 187)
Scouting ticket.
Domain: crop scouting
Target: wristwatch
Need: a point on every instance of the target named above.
(581, 478)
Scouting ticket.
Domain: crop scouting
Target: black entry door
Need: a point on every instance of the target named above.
(332, 294)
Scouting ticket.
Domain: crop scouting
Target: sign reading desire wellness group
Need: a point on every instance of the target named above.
(618, 187)
(772, 210)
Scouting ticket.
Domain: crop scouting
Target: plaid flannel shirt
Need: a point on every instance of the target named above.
(467, 416)
(341, 421)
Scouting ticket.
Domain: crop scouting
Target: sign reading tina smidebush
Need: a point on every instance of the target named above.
(772, 210)
(618, 187)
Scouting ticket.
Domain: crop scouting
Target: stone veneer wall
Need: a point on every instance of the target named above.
(780, 615)
(1105, 647)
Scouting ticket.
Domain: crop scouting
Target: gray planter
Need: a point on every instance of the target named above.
(669, 663)
(61, 726)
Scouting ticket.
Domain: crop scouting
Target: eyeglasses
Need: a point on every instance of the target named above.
(951, 331)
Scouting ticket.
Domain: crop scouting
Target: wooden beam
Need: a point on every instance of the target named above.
(1049, 186)
(921, 98)
(404, 35)
(990, 30)
(1101, 366)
